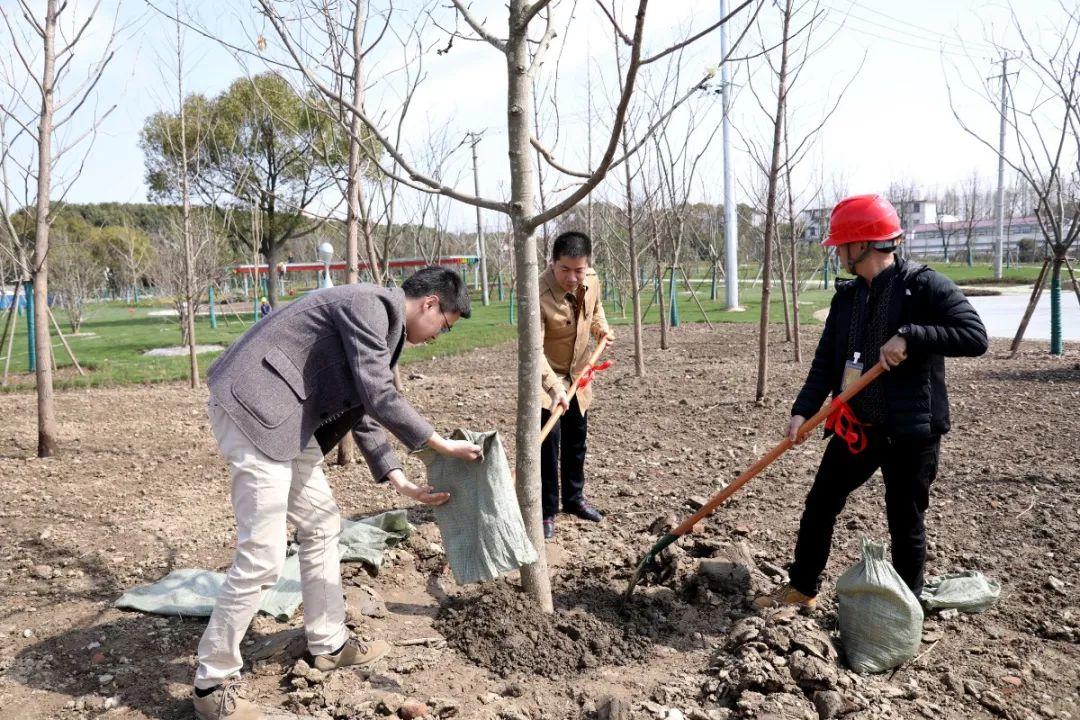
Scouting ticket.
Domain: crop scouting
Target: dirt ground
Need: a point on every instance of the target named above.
(139, 490)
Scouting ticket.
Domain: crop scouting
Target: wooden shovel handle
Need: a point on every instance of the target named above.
(716, 500)
(557, 411)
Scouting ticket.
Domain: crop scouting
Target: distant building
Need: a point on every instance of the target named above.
(923, 229)
(926, 238)
(917, 212)
(815, 221)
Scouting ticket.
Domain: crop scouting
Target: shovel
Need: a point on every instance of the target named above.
(649, 564)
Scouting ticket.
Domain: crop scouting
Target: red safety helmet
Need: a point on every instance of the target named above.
(863, 218)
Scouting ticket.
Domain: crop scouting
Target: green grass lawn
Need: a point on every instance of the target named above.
(113, 339)
(749, 298)
(979, 273)
(114, 352)
(983, 274)
(114, 336)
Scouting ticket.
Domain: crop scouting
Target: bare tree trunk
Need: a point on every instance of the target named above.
(534, 578)
(346, 453)
(271, 256)
(795, 297)
(783, 290)
(658, 282)
(189, 260)
(256, 233)
(770, 211)
(631, 241)
(794, 252)
(47, 427)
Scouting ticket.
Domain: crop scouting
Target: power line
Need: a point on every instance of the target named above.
(897, 41)
(923, 30)
(946, 44)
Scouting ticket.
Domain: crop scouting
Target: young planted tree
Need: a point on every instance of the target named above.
(972, 207)
(791, 143)
(773, 181)
(51, 117)
(183, 141)
(528, 32)
(633, 251)
(77, 275)
(679, 152)
(129, 256)
(344, 25)
(1042, 124)
(186, 263)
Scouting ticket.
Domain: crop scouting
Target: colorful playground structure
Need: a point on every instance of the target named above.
(259, 273)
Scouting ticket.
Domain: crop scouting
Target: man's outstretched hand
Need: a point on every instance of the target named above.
(420, 493)
(460, 449)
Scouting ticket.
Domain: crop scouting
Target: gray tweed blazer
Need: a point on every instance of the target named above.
(320, 367)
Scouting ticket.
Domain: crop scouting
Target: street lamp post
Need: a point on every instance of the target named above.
(326, 253)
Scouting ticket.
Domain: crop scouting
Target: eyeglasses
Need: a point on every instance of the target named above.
(447, 327)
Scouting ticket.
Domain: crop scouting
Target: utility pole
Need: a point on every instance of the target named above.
(731, 227)
(475, 137)
(999, 199)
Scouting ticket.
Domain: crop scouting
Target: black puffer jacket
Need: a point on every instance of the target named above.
(938, 322)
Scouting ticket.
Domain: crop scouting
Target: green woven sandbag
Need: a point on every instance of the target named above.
(880, 618)
(969, 592)
(481, 524)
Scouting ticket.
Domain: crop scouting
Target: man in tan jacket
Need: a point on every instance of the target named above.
(570, 312)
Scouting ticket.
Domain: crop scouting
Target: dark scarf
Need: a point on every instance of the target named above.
(869, 320)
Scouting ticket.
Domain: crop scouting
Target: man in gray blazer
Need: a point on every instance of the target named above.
(280, 397)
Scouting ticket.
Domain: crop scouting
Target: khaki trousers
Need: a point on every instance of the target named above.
(266, 493)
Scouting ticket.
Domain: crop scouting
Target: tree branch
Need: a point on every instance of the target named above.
(695, 38)
(478, 27)
(391, 150)
(532, 11)
(78, 34)
(546, 154)
(616, 129)
(615, 24)
(542, 48)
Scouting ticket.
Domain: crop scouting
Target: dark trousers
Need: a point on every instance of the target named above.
(908, 467)
(564, 449)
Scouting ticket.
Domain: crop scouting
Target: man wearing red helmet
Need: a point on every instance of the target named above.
(909, 318)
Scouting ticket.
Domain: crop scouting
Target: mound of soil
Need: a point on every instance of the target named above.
(500, 628)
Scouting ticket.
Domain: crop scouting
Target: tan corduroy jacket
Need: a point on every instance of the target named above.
(566, 337)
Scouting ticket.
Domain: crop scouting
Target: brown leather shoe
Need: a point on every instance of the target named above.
(786, 595)
(226, 703)
(355, 653)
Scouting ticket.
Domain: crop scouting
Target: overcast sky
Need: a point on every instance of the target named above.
(893, 123)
